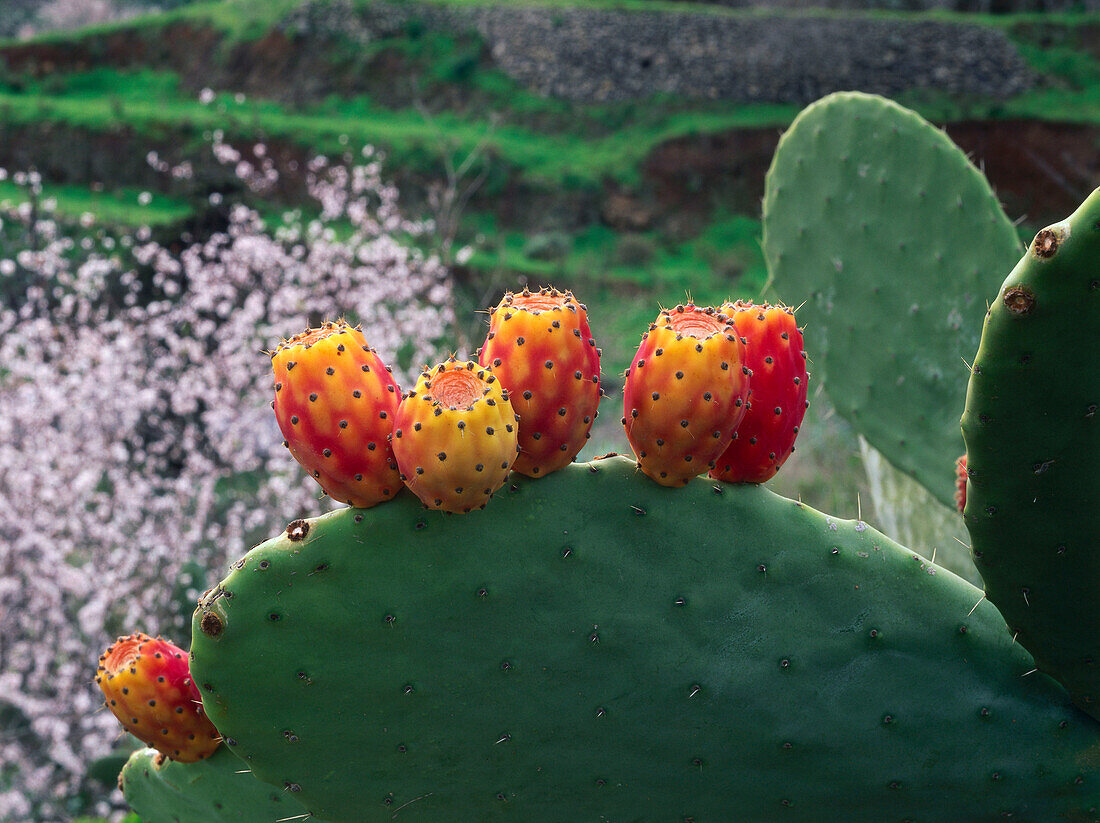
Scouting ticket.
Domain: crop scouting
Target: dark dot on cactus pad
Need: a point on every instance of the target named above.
(292, 787)
(887, 719)
(388, 799)
(894, 784)
(679, 601)
(984, 712)
(263, 564)
(231, 741)
(505, 666)
(1045, 243)
(567, 552)
(784, 802)
(274, 617)
(297, 530)
(1019, 300)
(402, 748)
(211, 625)
(389, 618)
(963, 630)
(208, 687)
(483, 592)
(788, 746)
(313, 397)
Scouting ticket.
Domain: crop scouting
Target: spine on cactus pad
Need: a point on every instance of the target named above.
(147, 685)
(775, 356)
(685, 393)
(541, 349)
(455, 436)
(335, 401)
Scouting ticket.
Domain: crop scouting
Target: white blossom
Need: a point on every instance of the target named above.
(137, 443)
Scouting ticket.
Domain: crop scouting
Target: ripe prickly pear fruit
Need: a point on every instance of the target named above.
(335, 401)
(685, 393)
(455, 436)
(541, 350)
(960, 483)
(148, 687)
(765, 438)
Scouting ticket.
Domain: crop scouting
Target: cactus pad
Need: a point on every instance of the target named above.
(895, 239)
(1033, 449)
(216, 790)
(595, 646)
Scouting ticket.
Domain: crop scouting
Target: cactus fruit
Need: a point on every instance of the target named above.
(148, 687)
(765, 437)
(217, 790)
(455, 436)
(894, 238)
(960, 484)
(685, 393)
(595, 646)
(335, 401)
(1033, 449)
(541, 350)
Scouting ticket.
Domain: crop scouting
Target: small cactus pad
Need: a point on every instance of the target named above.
(595, 646)
(217, 790)
(455, 436)
(894, 238)
(148, 687)
(1033, 452)
(541, 349)
(335, 400)
(774, 355)
(685, 393)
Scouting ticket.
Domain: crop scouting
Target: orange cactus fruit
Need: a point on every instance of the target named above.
(961, 475)
(686, 390)
(455, 436)
(147, 684)
(541, 349)
(335, 402)
(765, 437)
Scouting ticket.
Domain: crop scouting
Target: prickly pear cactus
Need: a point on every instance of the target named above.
(216, 790)
(894, 238)
(595, 646)
(1033, 443)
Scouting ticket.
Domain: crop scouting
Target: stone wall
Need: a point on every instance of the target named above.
(601, 56)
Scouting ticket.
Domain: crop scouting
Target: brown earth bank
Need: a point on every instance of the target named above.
(1041, 171)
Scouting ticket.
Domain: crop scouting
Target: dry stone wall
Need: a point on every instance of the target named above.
(595, 55)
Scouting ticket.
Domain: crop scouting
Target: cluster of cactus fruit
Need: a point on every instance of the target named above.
(624, 639)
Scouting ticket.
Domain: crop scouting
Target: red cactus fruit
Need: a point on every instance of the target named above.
(765, 438)
(148, 687)
(455, 436)
(541, 349)
(960, 483)
(685, 393)
(335, 401)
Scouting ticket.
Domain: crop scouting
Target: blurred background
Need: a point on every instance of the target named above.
(182, 185)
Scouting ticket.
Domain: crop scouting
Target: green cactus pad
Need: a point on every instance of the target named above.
(1033, 438)
(216, 790)
(893, 238)
(593, 646)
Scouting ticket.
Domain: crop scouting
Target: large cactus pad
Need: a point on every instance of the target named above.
(1033, 437)
(893, 237)
(595, 647)
(216, 790)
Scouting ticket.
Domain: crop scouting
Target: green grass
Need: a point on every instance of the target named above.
(723, 262)
(118, 207)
